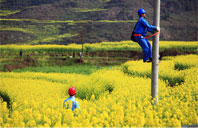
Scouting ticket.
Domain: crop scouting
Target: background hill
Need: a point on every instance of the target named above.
(66, 21)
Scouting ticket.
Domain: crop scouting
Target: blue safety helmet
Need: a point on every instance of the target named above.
(141, 11)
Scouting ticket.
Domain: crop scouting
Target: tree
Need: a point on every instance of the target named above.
(84, 33)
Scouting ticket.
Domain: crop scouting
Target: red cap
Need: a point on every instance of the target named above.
(72, 91)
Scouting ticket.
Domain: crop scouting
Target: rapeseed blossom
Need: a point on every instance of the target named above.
(103, 46)
(108, 97)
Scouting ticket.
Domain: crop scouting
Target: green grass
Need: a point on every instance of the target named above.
(36, 21)
(15, 29)
(53, 38)
(115, 21)
(47, 31)
(66, 21)
(78, 69)
(41, 33)
(7, 12)
(87, 9)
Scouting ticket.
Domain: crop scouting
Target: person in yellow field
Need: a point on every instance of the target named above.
(71, 99)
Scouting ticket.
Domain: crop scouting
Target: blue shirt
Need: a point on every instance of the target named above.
(74, 103)
(142, 27)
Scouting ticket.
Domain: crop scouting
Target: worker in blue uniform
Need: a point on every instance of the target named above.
(74, 104)
(140, 31)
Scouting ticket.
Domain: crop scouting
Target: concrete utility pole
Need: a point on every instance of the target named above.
(155, 53)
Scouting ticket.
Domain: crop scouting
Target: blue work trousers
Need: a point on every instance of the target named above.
(146, 47)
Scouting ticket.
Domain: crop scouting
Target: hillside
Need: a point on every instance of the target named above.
(61, 21)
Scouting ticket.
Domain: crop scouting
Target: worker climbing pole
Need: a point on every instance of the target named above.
(149, 54)
(155, 53)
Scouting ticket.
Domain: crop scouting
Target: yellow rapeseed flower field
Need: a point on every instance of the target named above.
(103, 46)
(117, 97)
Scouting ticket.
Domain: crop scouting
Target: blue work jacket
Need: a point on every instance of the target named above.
(142, 27)
(74, 103)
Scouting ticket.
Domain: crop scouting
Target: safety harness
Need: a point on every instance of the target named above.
(147, 36)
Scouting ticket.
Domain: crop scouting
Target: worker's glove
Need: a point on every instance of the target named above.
(158, 29)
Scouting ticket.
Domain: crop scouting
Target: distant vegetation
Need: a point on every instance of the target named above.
(87, 9)
(7, 12)
(107, 20)
(104, 46)
(99, 54)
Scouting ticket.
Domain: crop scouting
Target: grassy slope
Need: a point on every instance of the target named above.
(78, 69)
(111, 21)
(43, 31)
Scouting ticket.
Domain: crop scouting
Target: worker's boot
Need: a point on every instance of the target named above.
(148, 61)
